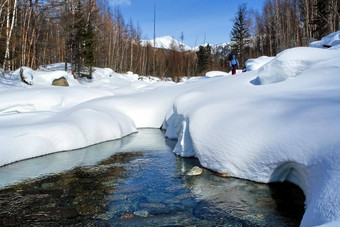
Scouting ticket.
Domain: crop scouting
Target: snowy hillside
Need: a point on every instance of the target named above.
(166, 42)
(279, 122)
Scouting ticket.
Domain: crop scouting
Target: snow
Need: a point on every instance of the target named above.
(293, 62)
(165, 42)
(332, 40)
(42, 77)
(255, 64)
(274, 132)
(216, 73)
(275, 123)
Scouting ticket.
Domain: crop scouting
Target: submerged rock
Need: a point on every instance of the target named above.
(127, 216)
(142, 213)
(195, 171)
(224, 175)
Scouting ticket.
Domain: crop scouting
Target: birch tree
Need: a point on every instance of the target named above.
(9, 30)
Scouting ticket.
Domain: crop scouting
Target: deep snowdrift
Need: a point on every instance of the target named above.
(280, 122)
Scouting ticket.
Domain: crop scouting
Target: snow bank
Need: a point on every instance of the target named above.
(16, 101)
(255, 64)
(331, 40)
(216, 73)
(293, 62)
(35, 134)
(43, 78)
(282, 131)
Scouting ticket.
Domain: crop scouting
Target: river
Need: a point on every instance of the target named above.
(136, 181)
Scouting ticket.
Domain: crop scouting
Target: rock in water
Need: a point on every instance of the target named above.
(142, 213)
(224, 175)
(60, 82)
(195, 171)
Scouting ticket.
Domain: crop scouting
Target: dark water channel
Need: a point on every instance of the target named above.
(136, 181)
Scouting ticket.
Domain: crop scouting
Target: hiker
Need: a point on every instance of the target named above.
(234, 64)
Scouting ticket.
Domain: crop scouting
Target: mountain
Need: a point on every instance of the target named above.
(165, 42)
(216, 46)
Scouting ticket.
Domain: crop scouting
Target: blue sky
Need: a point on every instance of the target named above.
(197, 19)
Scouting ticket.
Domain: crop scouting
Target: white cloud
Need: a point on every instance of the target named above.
(120, 2)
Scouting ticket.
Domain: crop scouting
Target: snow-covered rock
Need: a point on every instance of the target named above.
(24, 73)
(332, 40)
(43, 78)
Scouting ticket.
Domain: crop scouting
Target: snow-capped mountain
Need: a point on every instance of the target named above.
(166, 42)
(214, 46)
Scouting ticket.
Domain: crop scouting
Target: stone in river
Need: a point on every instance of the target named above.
(142, 213)
(195, 171)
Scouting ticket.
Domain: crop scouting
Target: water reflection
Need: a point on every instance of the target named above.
(62, 161)
(56, 163)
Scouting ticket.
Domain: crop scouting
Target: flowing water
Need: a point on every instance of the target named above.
(135, 181)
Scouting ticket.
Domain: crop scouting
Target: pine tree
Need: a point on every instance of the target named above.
(88, 52)
(240, 32)
(204, 58)
(82, 41)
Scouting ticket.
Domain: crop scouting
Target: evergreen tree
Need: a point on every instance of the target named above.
(204, 58)
(88, 52)
(240, 32)
(82, 41)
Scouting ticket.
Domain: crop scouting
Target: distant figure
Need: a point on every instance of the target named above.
(234, 64)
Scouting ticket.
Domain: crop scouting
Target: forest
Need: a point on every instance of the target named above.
(88, 33)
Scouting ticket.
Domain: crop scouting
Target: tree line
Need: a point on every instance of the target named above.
(85, 33)
(88, 33)
(283, 24)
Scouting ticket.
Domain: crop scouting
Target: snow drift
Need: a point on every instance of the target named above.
(255, 64)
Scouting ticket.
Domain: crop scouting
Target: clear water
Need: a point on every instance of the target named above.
(136, 181)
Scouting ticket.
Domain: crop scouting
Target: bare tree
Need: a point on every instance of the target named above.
(9, 30)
